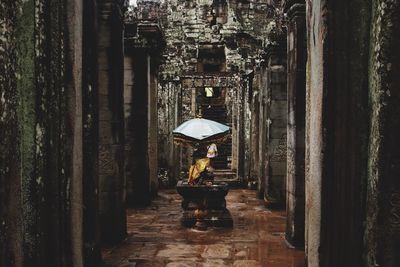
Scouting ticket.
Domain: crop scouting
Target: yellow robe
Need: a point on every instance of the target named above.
(197, 168)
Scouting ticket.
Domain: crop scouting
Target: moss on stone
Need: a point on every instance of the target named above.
(26, 111)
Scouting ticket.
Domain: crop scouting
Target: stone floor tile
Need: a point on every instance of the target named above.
(246, 263)
(157, 239)
(217, 251)
(216, 263)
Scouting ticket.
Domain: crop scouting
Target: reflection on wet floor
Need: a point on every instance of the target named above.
(156, 238)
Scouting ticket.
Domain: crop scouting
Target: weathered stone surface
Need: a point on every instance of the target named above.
(180, 251)
(42, 134)
(382, 231)
(246, 263)
(194, 33)
(157, 239)
(111, 122)
(241, 254)
(144, 42)
(217, 252)
(296, 93)
(215, 263)
(348, 138)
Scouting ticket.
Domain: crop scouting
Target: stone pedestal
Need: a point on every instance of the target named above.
(209, 199)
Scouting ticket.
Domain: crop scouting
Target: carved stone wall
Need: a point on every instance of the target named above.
(238, 29)
(352, 144)
(382, 231)
(41, 128)
(275, 128)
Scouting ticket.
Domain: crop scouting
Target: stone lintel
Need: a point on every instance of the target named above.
(296, 10)
(191, 81)
(148, 36)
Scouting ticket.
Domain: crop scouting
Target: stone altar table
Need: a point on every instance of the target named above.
(206, 200)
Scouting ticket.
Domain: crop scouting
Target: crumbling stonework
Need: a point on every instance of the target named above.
(382, 231)
(205, 38)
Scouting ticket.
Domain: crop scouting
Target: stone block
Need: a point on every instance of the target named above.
(104, 112)
(128, 77)
(187, 83)
(278, 77)
(278, 92)
(216, 263)
(182, 264)
(104, 36)
(241, 254)
(198, 83)
(103, 82)
(278, 168)
(217, 251)
(246, 263)
(105, 136)
(278, 110)
(103, 60)
(180, 251)
(128, 94)
(279, 123)
(277, 132)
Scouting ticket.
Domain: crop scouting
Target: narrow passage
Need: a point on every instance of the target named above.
(156, 238)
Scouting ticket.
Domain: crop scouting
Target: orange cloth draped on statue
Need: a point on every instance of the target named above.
(197, 168)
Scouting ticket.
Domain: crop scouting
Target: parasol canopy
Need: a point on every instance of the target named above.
(200, 130)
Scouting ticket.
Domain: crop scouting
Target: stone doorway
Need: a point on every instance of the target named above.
(211, 101)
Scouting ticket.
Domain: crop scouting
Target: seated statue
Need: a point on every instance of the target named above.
(200, 171)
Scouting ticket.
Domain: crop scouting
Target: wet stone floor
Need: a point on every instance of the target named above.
(156, 237)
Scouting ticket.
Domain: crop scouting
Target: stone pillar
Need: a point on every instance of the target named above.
(90, 146)
(111, 122)
(276, 127)
(254, 131)
(143, 43)
(169, 99)
(344, 132)
(41, 131)
(262, 132)
(153, 123)
(241, 124)
(314, 133)
(382, 232)
(137, 176)
(11, 228)
(296, 87)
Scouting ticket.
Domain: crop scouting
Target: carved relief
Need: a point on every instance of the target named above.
(394, 218)
(106, 162)
(279, 153)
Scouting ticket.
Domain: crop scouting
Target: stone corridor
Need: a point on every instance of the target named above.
(91, 92)
(156, 238)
